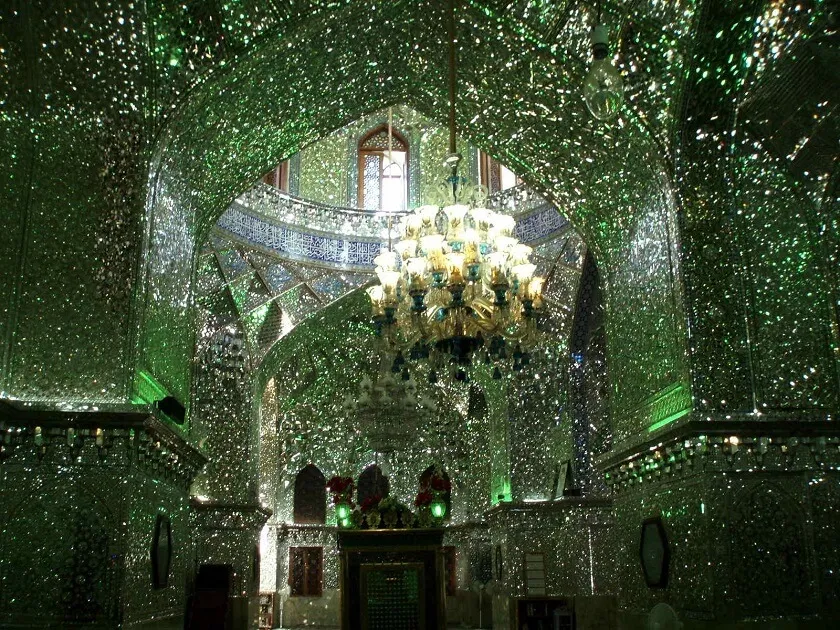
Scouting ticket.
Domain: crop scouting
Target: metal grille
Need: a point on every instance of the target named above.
(392, 599)
(371, 182)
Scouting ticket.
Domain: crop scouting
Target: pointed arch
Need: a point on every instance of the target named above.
(381, 177)
(310, 498)
(372, 483)
(426, 482)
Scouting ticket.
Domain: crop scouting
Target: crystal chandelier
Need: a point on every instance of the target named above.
(458, 282)
(389, 411)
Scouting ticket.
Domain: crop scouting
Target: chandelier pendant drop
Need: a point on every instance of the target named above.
(457, 283)
(389, 411)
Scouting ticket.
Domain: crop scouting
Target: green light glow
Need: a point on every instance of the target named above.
(668, 420)
(147, 389)
(504, 494)
(342, 511)
(438, 508)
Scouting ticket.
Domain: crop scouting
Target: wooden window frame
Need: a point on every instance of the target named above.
(308, 554)
(450, 567)
(383, 153)
(278, 176)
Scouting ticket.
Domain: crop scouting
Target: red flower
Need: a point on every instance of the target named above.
(338, 498)
(441, 484)
(340, 485)
(370, 503)
(424, 497)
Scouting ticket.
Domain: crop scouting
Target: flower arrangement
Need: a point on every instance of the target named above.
(378, 512)
(342, 495)
(370, 503)
(439, 483)
(423, 498)
(387, 512)
(340, 486)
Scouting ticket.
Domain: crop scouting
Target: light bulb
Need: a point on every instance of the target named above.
(455, 219)
(428, 217)
(455, 267)
(411, 226)
(406, 249)
(377, 299)
(386, 261)
(523, 275)
(416, 271)
(504, 224)
(496, 264)
(482, 219)
(520, 254)
(389, 281)
(603, 89)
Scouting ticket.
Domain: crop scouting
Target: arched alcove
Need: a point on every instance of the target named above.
(425, 481)
(601, 195)
(588, 383)
(310, 498)
(372, 483)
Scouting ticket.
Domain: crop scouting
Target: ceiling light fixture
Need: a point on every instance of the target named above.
(458, 283)
(603, 88)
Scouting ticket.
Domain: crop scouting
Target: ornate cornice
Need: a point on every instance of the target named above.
(594, 509)
(220, 515)
(719, 442)
(117, 436)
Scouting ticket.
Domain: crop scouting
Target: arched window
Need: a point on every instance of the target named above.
(426, 483)
(383, 184)
(372, 483)
(310, 502)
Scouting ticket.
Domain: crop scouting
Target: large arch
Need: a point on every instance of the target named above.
(237, 124)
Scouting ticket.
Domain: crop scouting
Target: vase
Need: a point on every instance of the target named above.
(406, 519)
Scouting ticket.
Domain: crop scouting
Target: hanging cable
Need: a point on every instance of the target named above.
(452, 61)
(390, 165)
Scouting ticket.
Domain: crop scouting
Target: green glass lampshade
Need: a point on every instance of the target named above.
(438, 508)
(342, 511)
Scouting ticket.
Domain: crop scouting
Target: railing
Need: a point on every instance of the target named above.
(517, 200)
(275, 204)
(349, 238)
